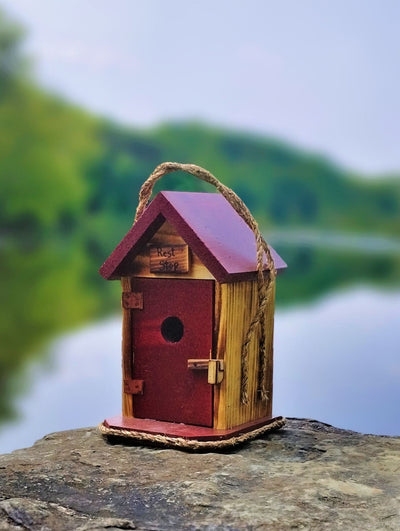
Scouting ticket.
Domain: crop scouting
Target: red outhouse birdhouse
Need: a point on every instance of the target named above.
(190, 292)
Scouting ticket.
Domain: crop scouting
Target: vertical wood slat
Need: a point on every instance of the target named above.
(238, 304)
(127, 369)
(269, 345)
(218, 347)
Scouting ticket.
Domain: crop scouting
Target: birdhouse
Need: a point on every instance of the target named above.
(190, 294)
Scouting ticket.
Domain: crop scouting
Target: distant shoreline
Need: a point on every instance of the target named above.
(376, 244)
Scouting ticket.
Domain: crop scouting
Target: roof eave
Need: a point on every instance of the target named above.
(158, 211)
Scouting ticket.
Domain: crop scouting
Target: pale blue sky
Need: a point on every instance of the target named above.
(322, 74)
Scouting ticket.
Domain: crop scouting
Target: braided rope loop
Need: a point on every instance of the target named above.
(264, 281)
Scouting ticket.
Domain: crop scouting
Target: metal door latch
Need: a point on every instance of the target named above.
(215, 369)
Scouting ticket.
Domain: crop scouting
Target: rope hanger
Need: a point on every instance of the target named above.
(264, 282)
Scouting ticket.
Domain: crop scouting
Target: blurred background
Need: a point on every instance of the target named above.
(294, 105)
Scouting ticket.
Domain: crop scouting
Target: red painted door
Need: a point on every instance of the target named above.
(175, 324)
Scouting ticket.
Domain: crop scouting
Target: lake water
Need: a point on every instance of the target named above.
(336, 360)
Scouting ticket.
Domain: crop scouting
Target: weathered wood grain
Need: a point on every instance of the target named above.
(127, 356)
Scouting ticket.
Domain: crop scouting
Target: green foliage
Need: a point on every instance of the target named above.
(44, 151)
(282, 186)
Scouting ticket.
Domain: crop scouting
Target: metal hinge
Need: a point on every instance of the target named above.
(133, 387)
(215, 369)
(133, 300)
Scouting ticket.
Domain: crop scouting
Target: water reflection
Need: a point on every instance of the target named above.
(79, 383)
(335, 360)
(314, 271)
(46, 288)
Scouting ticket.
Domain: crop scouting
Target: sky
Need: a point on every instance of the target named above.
(321, 74)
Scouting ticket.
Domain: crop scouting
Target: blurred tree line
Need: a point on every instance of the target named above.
(68, 189)
(284, 187)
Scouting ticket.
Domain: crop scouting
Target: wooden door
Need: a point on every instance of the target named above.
(175, 324)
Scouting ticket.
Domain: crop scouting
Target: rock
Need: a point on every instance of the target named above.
(307, 475)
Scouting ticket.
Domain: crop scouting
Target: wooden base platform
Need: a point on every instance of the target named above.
(184, 435)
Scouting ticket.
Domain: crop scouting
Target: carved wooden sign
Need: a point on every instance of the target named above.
(169, 259)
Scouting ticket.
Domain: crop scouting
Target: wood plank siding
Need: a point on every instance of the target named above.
(237, 307)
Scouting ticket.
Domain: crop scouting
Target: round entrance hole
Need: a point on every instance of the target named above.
(172, 329)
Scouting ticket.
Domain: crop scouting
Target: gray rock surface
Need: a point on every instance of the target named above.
(308, 475)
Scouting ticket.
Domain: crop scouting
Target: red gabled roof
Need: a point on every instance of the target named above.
(207, 223)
